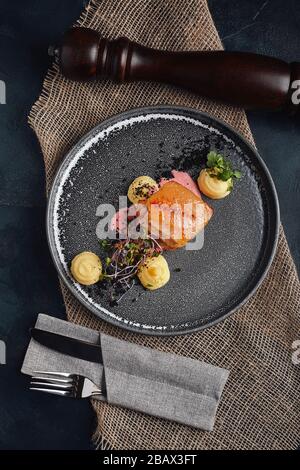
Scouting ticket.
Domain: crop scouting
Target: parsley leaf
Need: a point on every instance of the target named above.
(104, 243)
(237, 174)
(214, 160)
(221, 168)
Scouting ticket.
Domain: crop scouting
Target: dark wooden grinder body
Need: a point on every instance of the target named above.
(248, 80)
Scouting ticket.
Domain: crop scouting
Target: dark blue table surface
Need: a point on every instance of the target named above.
(28, 281)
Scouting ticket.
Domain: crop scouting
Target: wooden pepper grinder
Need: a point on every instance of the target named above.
(248, 80)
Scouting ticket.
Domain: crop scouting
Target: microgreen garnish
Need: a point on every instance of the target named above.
(221, 168)
(126, 257)
(105, 244)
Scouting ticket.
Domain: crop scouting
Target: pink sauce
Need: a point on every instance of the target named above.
(119, 221)
(183, 178)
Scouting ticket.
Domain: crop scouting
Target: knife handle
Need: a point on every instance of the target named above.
(243, 79)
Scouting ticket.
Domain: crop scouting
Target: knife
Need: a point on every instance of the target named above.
(69, 346)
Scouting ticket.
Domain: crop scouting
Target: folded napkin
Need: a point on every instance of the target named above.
(143, 379)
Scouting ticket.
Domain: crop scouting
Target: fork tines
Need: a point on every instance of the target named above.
(58, 383)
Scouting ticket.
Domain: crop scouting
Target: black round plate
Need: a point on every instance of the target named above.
(240, 240)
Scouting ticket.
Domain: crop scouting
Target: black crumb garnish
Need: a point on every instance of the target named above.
(144, 190)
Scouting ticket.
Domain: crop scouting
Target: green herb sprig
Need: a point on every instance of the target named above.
(221, 168)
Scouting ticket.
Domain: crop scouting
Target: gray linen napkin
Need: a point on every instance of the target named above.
(143, 379)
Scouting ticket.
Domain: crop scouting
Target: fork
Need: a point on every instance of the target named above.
(64, 384)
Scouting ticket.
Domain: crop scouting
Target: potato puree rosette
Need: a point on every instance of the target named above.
(154, 273)
(141, 188)
(216, 181)
(86, 268)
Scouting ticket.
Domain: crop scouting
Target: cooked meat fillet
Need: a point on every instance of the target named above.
(176, 215)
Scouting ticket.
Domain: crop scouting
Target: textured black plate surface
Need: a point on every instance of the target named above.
(239, 242)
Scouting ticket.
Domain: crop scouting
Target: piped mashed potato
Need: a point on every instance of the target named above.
(86, 268)
(154, 273)
(213, 187)
(141, 188)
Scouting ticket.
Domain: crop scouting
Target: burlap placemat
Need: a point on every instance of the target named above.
(260, 408)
